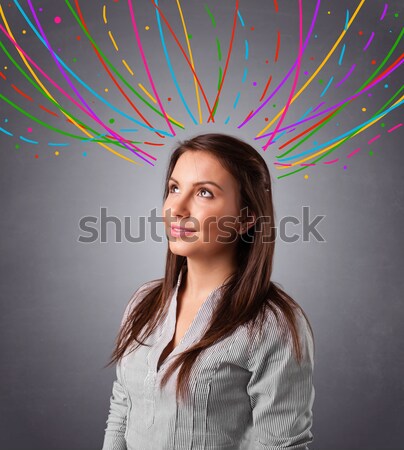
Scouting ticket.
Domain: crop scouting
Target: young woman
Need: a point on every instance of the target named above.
(214, 355)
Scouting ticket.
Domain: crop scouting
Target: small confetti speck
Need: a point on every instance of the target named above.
(386, 85)
(370, 94)
(29, 130)
(40, 9)
(106, 89)
(5, 120)
(306, 177)
(169, 99)
(36, 156)
(266, 119)
(320, 81)
(252, 28)
(84, 153)
(371, 152)
(147, 27)
(305, 72)
(17, 146)
(57, 153)
(382, 125)
(78, 38)
(396, 15)
(5, 67)
(315, 36)
(57, 19)
(24, 31)
(266, 62)
(328, 12)
(345, 167)
(364, 109)
(74, 59)
(274, 106)
(254, 83)
(111, 120)
(373, 61)
(360, 33)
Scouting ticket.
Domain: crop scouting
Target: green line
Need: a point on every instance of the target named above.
(219, 51)
(342, 107)
(38, 88)
(220, 78)
(112, 67)
(390, 100)
(211, 16)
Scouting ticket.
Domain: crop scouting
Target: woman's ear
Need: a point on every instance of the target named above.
(246, 223)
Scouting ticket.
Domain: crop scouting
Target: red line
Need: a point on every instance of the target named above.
(265, 90)
(3, 76)
(48, 111)
(276, 5)
(153, 143)
(185, 56)
(110, 74)
(278, 44)
(227, 61)
(21, 93)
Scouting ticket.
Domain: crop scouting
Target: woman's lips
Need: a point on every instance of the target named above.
(178, 231)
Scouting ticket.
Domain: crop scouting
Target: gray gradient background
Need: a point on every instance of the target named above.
(62, 301)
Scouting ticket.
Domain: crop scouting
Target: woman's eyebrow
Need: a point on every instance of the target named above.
(201, 182)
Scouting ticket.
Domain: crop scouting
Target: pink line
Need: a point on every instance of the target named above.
(292, 91)
(353, 152)
(369, 41)
(331, 162)
(132, 16)
(374, 139)
(395, 128)
(308, 164)
(120, 138)
(384, 11)
(346, 76)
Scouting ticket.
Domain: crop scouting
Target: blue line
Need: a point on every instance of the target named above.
(278, 137)
(127, 130)
(342, 54)
(245, 74)
(6, 132)
(326, 88)
(246, 49)
(55, 144)
(341, 136)
(28, 140)
(82, 82)
(346, 19)
(227, 120)
(236, 101)
(305, 114)
(163, 43)
(241, 19)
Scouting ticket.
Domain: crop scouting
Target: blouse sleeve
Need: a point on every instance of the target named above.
(281, 391)
(114, 438)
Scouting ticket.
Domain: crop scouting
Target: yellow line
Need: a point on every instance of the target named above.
(49, 94)
(192, 61)
(147, 92)
(337, 143)
(318, 68)
(104, 13)
(127, 67)
(113, 40)
(178, 123)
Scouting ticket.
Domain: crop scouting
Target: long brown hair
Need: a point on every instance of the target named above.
(249, 292)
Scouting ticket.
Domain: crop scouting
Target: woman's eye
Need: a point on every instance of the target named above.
(170, 189)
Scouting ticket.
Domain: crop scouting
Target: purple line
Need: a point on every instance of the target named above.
(319, 106)
(346, 76)
(369, 41)
(95, 117)
(288, 74)
(338, 104)
(384, 11)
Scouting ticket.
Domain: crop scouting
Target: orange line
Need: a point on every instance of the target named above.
(21, 93)
(3, 76)
(278, 44)
(48, 111)
(266, 88)
(153, 143)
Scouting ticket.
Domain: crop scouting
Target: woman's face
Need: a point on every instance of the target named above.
(211, 210)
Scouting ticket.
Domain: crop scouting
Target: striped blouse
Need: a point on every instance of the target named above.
(247, 393)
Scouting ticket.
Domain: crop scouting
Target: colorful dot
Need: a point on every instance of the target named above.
(383, 125)
(106, 89)
(252, 28)
(57, 153)
(315, 36)
(84, 153)
(57, 19)
(29, 130)
(254, 83)
(371, 152)
(40, 9)
(147, 27)
(111, 120)
(305, 72)
(360, 33)
(311, 58)
(5, 67)
(17, 146)
(189, 36)
(74, 59)
(266, 119)
(24, 31)
(370, 94)
(396, 15)
(364, 109)
(274, 105)
(373, 61)
(169, 99)
(306, 177)
(328, 12)
(386, 85)
(320, 81)
(78, 38)
(37, 156)
(266, 62)
(5, 120)
(345, 167)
